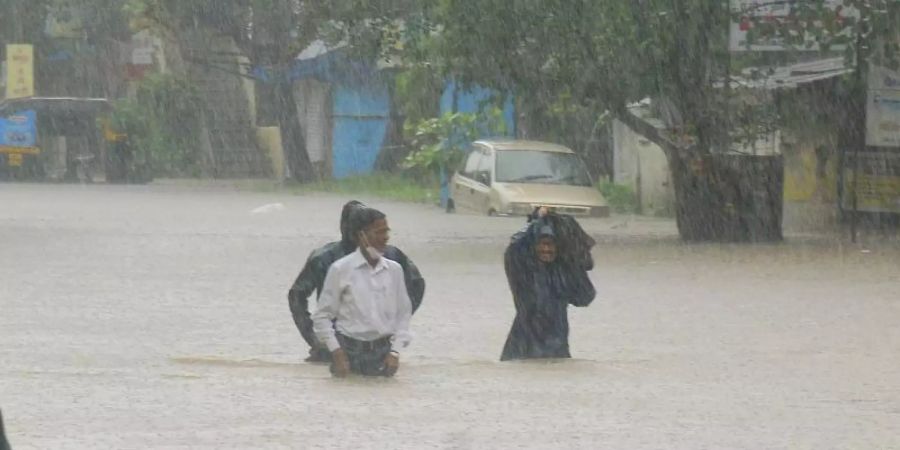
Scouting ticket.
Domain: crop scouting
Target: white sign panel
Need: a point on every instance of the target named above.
(883, 118)
(745, 12)
(883, 78)
(142, 56)
(883, 108)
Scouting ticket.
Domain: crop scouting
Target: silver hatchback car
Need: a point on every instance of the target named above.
(512, 177)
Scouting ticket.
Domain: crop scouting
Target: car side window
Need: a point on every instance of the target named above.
(483, 172)
(471, 166)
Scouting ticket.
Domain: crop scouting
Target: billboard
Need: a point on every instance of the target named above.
(878, 188)
(883, 108)
(18, 136)
(746, 12)
(19, 71)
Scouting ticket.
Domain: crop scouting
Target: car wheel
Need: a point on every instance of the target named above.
(451, 206)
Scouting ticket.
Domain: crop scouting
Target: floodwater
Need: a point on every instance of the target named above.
(156, 317)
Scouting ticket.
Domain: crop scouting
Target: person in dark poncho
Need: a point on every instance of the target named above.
(546, 266)
(312, 277)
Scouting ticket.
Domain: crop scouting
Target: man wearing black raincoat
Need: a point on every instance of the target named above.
(312, 277)
(546, 266)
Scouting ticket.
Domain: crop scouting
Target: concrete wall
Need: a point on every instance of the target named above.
(313, 105)
(642, 165)
(269, 140)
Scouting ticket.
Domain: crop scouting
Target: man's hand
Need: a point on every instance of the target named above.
(391, 364)
(318, 355)
(340, 363)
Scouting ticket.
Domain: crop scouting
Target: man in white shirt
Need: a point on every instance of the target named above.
(364, 311)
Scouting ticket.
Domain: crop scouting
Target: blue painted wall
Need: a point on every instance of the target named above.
(361, 107)
(361, 115)
(469, 101)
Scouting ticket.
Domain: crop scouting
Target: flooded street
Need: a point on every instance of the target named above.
(156, 317)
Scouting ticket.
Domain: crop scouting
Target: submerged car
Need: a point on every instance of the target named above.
(512, 177)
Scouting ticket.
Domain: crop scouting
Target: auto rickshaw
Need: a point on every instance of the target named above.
(64, 139)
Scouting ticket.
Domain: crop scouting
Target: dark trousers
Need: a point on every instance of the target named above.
(366, 357)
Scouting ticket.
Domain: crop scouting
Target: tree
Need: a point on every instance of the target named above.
(268, 32)
(22, 21)
(603, 55)
(271, 33)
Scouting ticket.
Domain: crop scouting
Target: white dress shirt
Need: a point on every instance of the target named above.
(363, 303)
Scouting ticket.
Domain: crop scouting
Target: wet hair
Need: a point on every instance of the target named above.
(346, 212)
(542, 228)
(545, 231)
(360, 219)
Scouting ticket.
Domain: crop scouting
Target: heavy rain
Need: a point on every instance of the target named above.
(449, 224)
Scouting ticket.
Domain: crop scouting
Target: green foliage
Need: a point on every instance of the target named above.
(163, 125)
(621, 198)
(568, 62)
(441, 142)
(417, 93)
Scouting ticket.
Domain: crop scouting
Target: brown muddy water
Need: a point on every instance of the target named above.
(156, 317)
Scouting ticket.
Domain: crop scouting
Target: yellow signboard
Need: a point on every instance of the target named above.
(876, 193)
(19, 71)
(19, 150)
(15, 160)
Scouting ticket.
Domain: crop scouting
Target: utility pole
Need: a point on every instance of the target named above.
(860, 132)
(18, 27)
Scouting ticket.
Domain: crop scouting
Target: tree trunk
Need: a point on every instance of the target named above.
(720, 197)
(728, 198)
(292, 138)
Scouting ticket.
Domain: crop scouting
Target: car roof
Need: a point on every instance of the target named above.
(519, 144)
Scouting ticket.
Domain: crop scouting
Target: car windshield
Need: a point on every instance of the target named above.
(541, 167)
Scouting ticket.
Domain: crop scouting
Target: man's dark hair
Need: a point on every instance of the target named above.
(346, 211)
(361, 218)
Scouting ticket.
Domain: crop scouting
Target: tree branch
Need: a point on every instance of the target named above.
(652, 133)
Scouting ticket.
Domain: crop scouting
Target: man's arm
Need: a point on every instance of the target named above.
(299, 294)
(520, 274)
(413, 280)
(574, 244)
(580, 289)
(327, 309)
(401, 337)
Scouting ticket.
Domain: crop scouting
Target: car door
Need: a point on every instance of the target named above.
(464, 183)
(483, 178)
